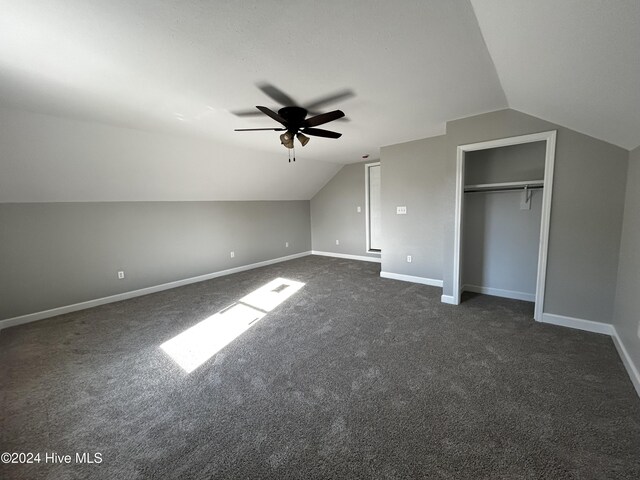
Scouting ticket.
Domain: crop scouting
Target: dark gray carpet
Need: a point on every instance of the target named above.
(353, 377)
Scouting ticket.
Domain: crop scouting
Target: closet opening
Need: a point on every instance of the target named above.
(503, 209)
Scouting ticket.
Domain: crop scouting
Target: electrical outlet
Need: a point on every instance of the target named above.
(401, 210)
(409, 258)
(359, 209)
(337, 242)
(120, 275)
(286, 244)
(233, 254)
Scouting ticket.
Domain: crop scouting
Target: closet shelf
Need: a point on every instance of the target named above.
(481, 187)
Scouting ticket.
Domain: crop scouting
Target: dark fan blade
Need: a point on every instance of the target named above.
(328, 99)
(247, 113)
(272, 114)
(256, 129)
(323, 118)
(319, 132)
(277, 95)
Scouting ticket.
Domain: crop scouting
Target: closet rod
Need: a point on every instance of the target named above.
(502, 189)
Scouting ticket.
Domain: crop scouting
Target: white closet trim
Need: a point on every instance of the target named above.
(550, 139)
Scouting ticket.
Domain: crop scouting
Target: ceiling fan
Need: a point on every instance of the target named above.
(293, 118)
(295, 123)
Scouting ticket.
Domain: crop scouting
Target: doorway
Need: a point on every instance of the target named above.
(373, 208)
(547, 186)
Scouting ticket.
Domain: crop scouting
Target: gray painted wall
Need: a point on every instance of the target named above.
(505, 164)
(413, 175)
(500, 242)
(586, 217)
(57, 254)
(334, 214)
(627, 304)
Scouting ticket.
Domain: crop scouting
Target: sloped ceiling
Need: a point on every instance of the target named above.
(177, 69)
(572, 62)
(181, 67)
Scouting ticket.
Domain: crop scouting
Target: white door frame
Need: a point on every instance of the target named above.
(550, 139)
(367, 166)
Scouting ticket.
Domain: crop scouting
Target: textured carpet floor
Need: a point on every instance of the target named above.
(354, 376)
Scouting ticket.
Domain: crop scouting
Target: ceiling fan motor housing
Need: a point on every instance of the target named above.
(294, 116)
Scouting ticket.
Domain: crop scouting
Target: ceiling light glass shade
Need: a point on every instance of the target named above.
(287, 140)
(303, 139)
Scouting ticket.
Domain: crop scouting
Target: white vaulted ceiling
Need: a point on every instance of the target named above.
(572, 62)
(177, 69)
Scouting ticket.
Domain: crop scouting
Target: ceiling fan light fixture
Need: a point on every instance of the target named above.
(286, 139)
(303, 139)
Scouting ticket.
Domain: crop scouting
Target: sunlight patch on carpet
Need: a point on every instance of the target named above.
(199, 343)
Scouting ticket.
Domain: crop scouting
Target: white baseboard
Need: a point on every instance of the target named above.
(498, 292)
(347, 256)
(448, 299)
(32, 317)
(411, 278)
(632, 370)
(578, 323)
(599, 327)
